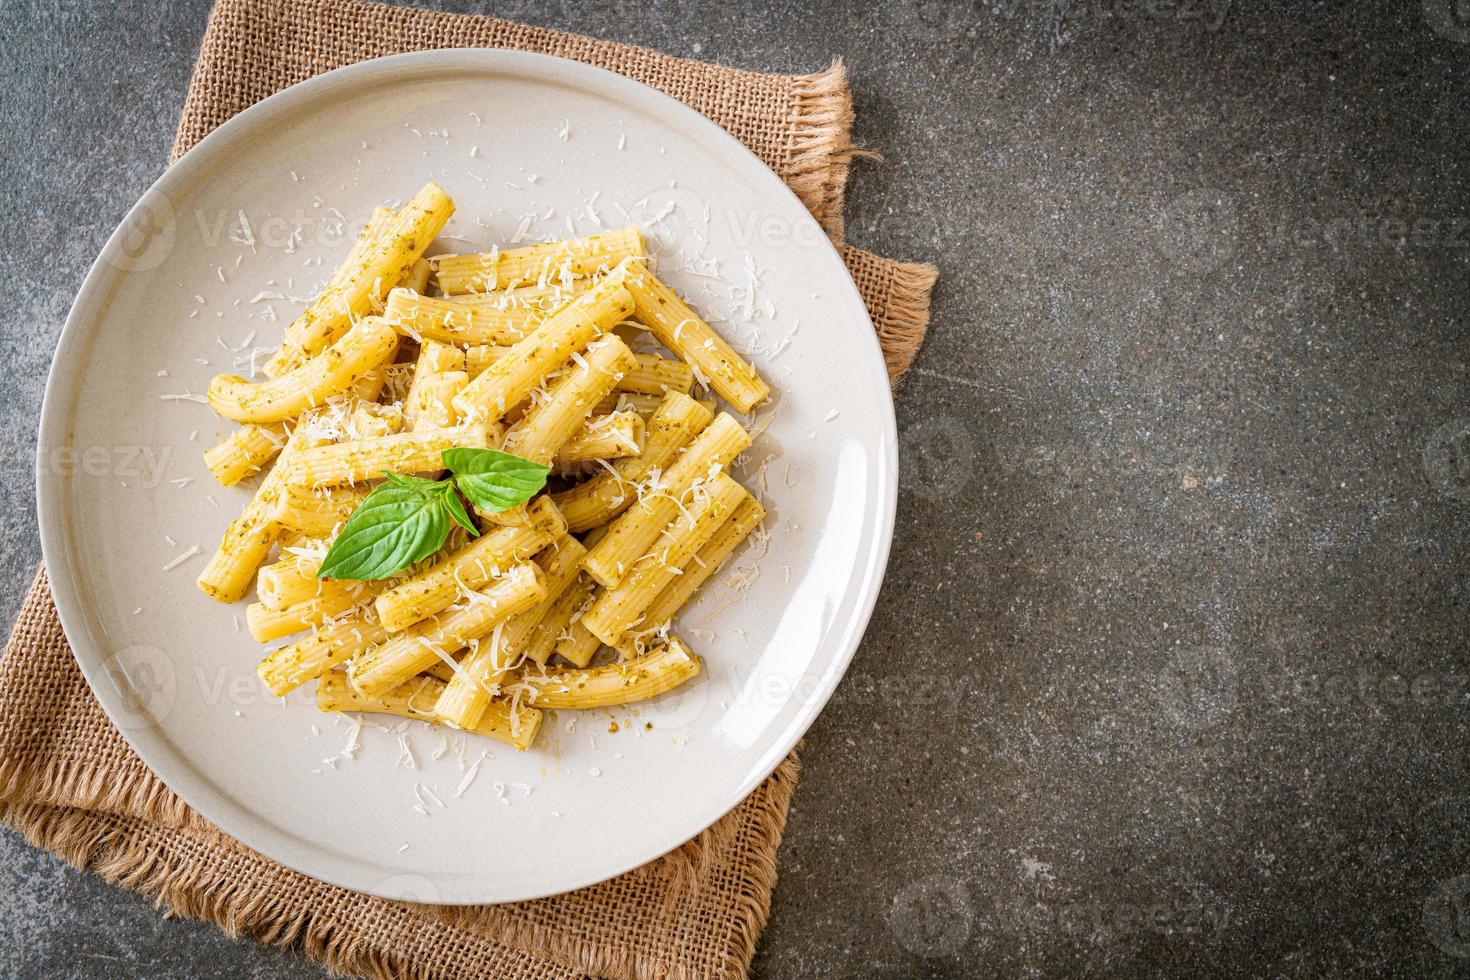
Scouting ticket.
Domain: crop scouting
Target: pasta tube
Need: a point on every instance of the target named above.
(287, 582)
(370, 231)
(245, 452)
(512, 517)
(621, 608)
(370, 388)
(481, 671)
(368, 420)
(707, 560)
(655, 375)
(266, 624)
(605, 496)
(539, 264)
(644, 405)
(249, 538)
(639, 679)
(544, 298)
(578, 646)
(407, 653)
(431, 405)
(502, 385)
(470, 568)
(549, 424)
(366, 459)
(632, 534)
(515, 724)
(293, 580)
(682, 331)
(368, 344)
(423, 404)
(559, 619)
(378, 267)
(607, 437)
(452, 322)
(629, 401)
(417, 278)
(317, 512)
(436, 358)
(478, 357)
(335, 643)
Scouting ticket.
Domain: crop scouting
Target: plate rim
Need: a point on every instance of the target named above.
(88, 309)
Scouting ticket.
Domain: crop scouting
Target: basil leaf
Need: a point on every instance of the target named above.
(413, 482)
(454, 507)
(493, 480)
(397, 525)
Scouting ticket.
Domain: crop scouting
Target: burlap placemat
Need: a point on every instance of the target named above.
(70, 783)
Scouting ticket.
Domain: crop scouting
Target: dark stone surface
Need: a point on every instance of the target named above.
(1170, 674)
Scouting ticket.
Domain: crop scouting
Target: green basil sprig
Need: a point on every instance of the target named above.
(408, 518)
(494, 480)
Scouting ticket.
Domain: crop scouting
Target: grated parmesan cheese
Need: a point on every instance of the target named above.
(182, 558)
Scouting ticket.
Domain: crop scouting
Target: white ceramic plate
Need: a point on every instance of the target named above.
(123, 491)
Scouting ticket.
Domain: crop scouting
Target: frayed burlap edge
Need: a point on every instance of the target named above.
(106, 836)
(90, 818)
(120, 823)
(120, 849)
(122, 853)
(817, 155)
(516, 927)
(902, 328)
(820, 149)
(898, 295)
(75, 784)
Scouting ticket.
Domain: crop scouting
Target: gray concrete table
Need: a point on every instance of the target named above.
(1186, 509)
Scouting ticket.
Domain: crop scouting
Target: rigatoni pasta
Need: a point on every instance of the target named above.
(480, 674)
(509, 379)
(247, 451)
(428, 318)
(314, 511)
(594, 502)
(621, 607)
(547, 427)
(614, 436)
(331, 646)
(363, 459)
(538, 265)
(411, 651)
(629, 537)
(685, 333)
(654, 375)
(385, 258)
(638, 679)
(500, 367)
(369, 344)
